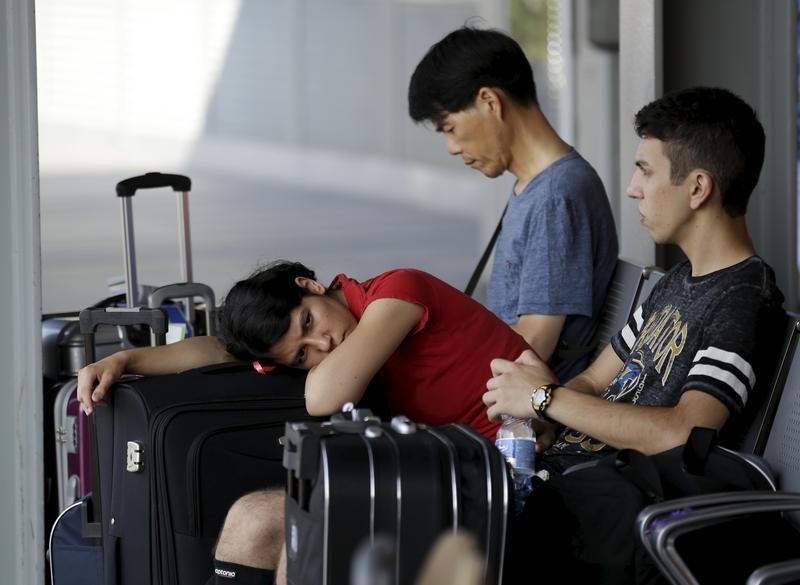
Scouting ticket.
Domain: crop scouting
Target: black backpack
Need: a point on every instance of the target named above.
(582, 523)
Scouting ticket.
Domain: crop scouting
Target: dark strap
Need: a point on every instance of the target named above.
(476, 274)
(698, 447)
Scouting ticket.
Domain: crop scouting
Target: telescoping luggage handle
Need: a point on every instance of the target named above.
(89, 320)
(186, 290)
(125, 191)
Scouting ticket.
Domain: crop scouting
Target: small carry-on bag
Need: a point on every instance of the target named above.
(75, 557)
(353, 479)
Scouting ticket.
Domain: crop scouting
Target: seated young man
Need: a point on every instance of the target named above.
(694, 352)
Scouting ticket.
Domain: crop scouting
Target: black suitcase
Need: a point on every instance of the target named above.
(353, 479)
(174, 453)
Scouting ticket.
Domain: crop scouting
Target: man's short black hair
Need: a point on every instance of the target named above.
(711, 129)
(450, 74)
(256, 311)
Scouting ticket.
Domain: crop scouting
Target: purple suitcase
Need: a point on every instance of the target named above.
(73, 461)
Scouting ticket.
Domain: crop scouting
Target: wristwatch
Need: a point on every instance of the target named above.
(541, 397)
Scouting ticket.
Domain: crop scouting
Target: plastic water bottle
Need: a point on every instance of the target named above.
(516, 440)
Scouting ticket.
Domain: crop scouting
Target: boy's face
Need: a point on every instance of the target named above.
(474, 135)
(316, 327)
(663, 207)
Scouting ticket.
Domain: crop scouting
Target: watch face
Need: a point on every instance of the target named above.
(538, 398)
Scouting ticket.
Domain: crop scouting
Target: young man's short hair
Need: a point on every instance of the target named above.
(257, 310)
(711, 129)
(450, 74)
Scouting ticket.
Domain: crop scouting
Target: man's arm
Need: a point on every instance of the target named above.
(596, 378)
(649, 429)
(95, 379)
(578, 405)
(344, 374)
(592, 382)
(541, 332)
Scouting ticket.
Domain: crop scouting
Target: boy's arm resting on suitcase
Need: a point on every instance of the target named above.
(94, 380)
(344, 374)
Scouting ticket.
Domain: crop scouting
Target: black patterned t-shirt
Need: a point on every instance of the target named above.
(716, 333)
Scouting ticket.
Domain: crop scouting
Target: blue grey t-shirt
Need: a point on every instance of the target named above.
(556, 254)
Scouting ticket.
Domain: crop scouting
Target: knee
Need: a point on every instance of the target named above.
(253, 527)
(257, 516)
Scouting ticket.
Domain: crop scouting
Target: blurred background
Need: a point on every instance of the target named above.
(291, 118)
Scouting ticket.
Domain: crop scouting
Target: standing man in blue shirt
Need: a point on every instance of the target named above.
(557, 247)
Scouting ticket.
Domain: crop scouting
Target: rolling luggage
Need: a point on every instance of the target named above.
(173, 453)
(67, 468)
(355, 479)
(68, 474)
(74, 550)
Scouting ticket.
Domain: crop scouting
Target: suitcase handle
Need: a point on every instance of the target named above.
(128, 187)
(89, 319)
(187, 290)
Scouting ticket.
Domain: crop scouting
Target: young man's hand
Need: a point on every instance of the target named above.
(510, 388)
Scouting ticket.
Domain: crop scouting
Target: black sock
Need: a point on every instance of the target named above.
(230, 573)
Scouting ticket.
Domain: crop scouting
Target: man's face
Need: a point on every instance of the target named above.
(474, 135)
(663, 207)
(316, 327)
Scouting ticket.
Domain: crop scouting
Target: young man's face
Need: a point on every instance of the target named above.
(663, 207)
(474, 135)
(316, 327)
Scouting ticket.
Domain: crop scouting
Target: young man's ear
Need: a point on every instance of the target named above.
(309, 284)
(490, 100)
(702, 187)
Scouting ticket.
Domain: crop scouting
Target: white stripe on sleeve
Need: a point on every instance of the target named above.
(628, 337)
(731, 358)
(723, 376)
(637, 316)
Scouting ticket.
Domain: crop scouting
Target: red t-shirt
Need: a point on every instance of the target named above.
(438, 373)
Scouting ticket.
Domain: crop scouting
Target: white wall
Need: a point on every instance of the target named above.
(21, 457)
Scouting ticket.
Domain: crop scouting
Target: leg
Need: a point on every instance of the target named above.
(251, 540)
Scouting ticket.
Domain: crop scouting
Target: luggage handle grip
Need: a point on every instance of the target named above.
(128, 187)
(89, 319)
(187, 290)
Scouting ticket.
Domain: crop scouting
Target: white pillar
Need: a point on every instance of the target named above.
(640, 82)
(21, 458)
